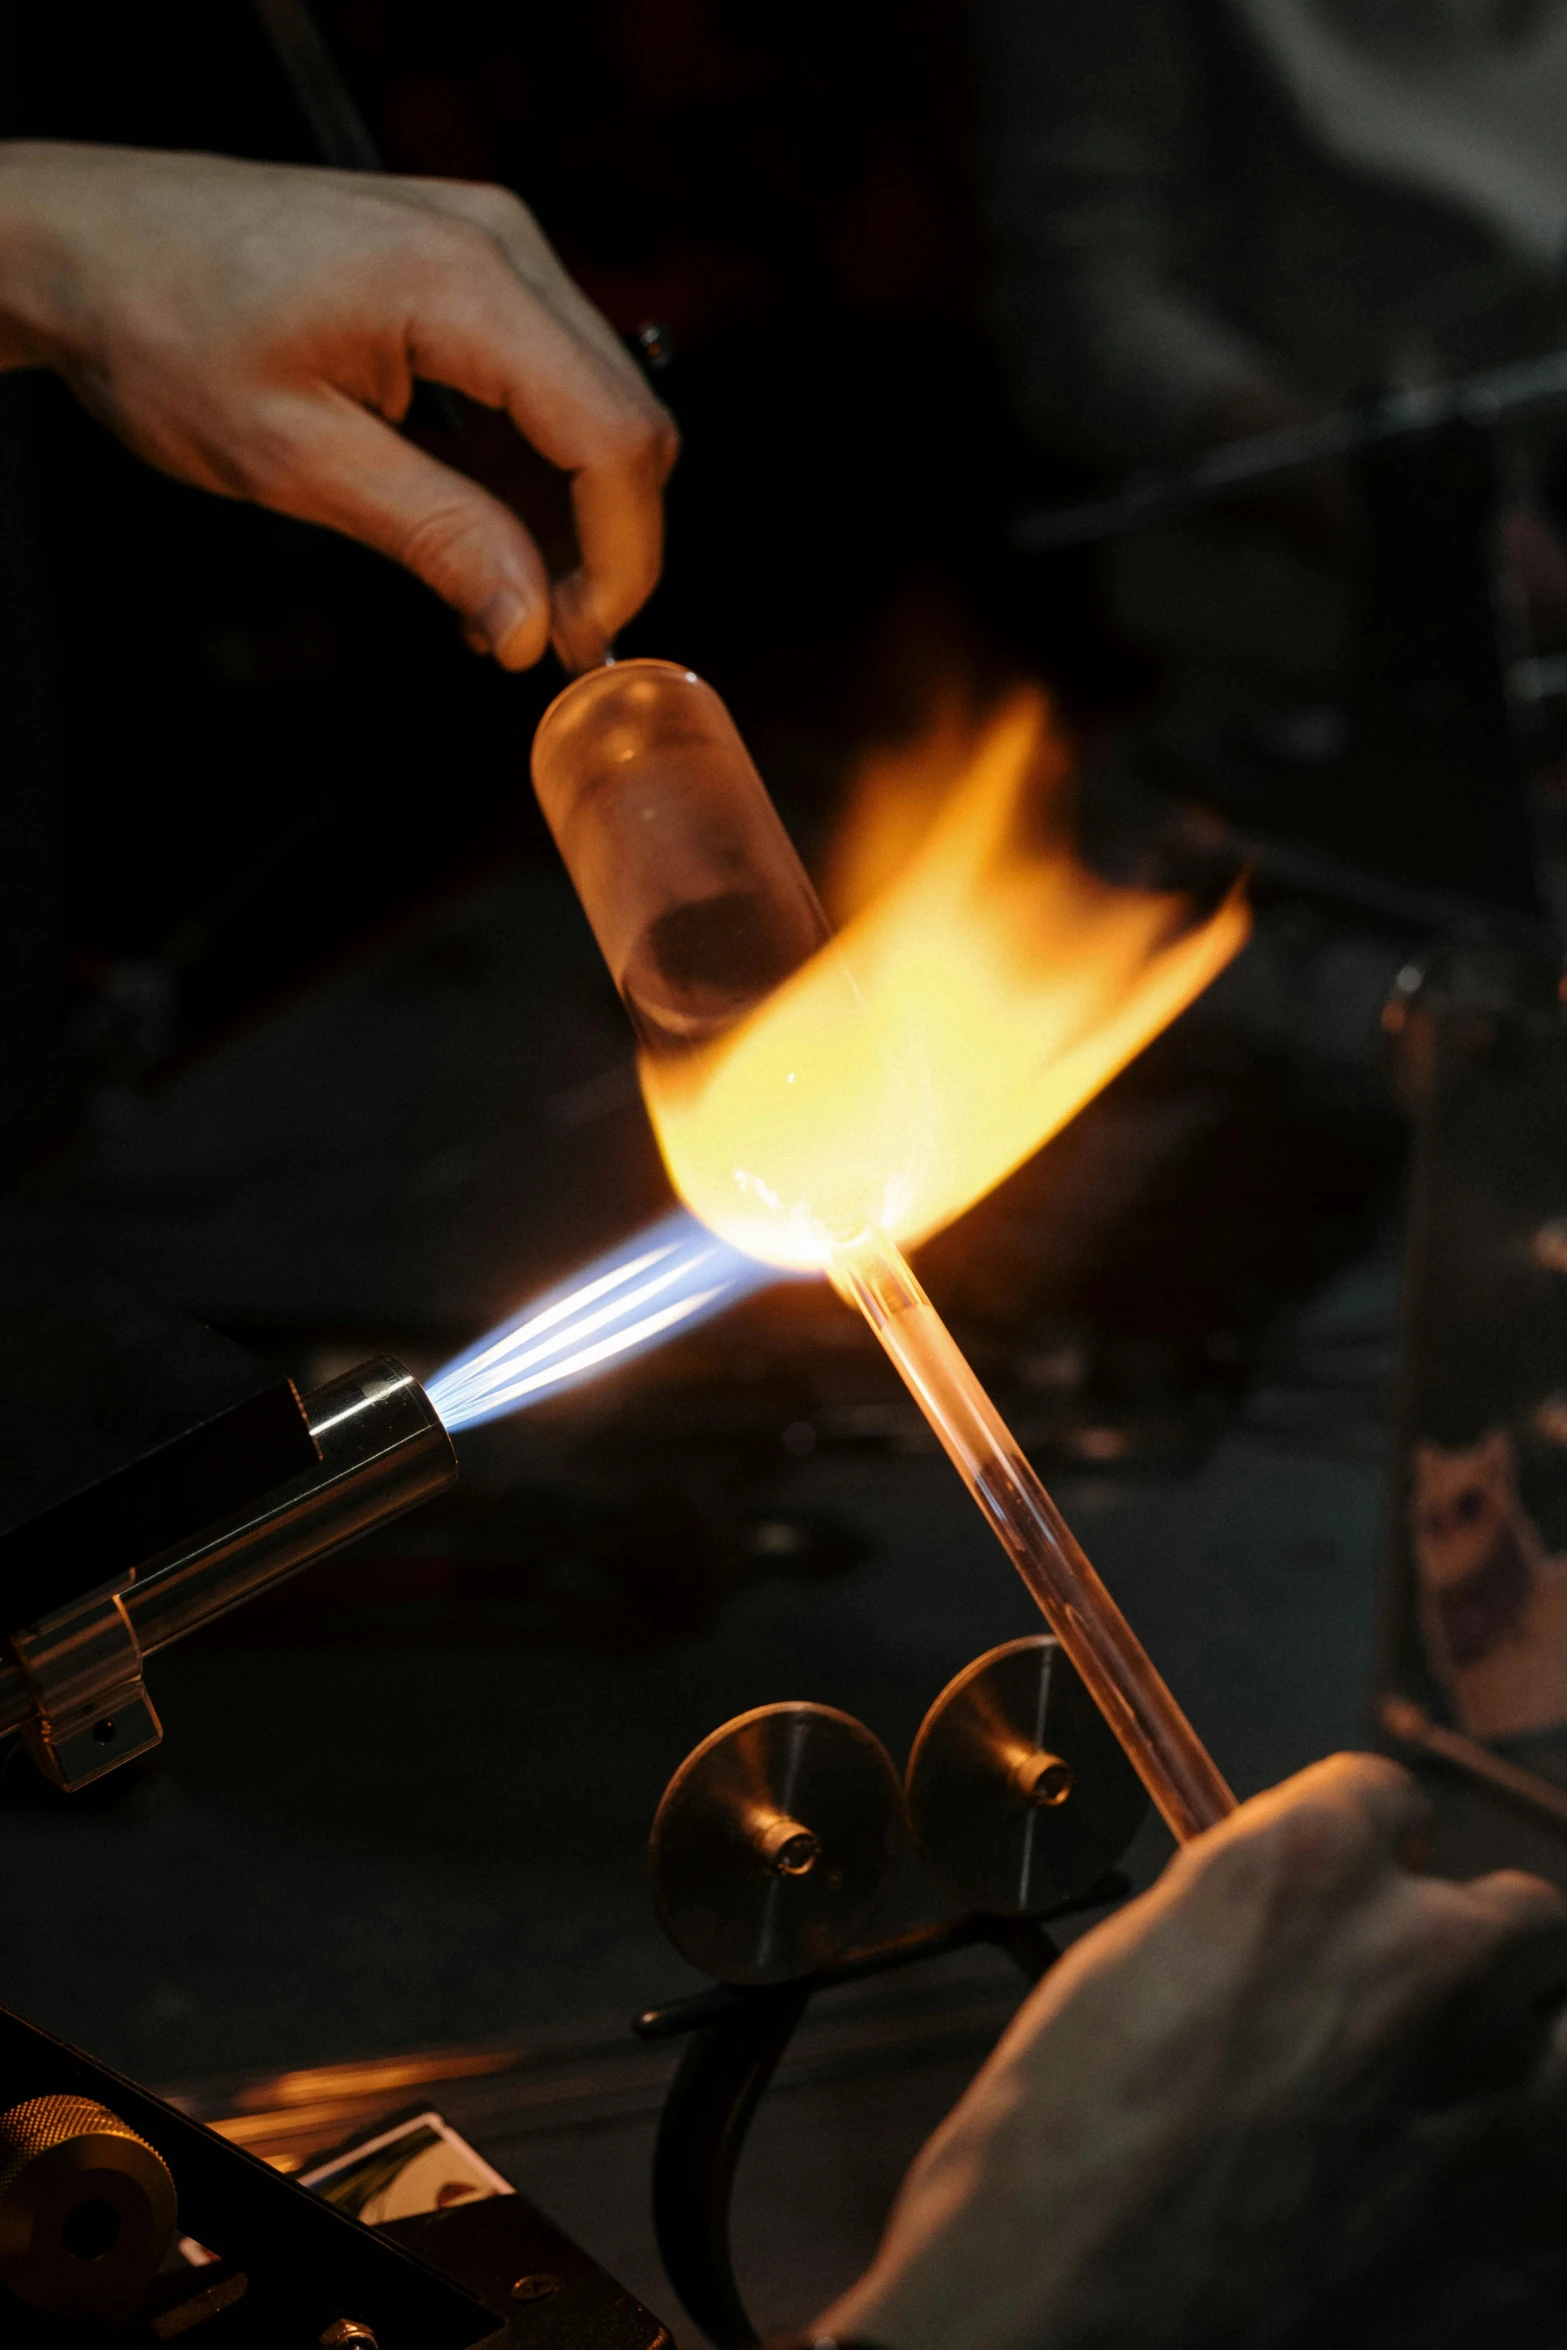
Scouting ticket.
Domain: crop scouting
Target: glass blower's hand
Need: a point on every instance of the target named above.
(1280, 1956)
(257, 329)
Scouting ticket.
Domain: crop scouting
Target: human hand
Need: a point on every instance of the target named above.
(257, 329)
(1277, 1959)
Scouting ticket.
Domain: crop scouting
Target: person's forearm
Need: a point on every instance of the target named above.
(35, 269)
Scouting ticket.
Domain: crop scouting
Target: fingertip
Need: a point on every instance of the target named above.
(1393, 1795)
(665, 443)
(575, 630)
(620, 529)
(1397, 1808)
(1519, 1897)
(514, 627)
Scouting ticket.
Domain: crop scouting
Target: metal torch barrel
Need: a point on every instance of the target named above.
(383, 1451)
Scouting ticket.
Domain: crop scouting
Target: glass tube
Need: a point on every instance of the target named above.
(688, 877)
(1164, 1749)
(703, 910)
(707, 920)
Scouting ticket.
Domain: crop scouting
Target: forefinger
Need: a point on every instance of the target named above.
(582, 400)
(620, 531)
(486, 333)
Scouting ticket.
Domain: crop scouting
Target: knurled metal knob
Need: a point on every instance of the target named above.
(87, 2208)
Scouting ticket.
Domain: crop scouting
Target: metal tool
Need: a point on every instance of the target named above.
(773, 1796)
(737, 2039)
(93, 2171)
(774, 1842)
(336, 124)
(1409, 1725)
(1150, 496)
(75, 1683)
(1018, 1792)
(87, 2208)
(112, 1544)
(285, 2269)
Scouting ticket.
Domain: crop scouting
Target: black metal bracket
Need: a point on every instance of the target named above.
(292, 2270)
(304, 2266)
(738, 2036)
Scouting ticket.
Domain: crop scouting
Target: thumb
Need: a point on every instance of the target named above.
(333, 462)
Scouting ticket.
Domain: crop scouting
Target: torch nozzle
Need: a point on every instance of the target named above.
(1168, 1756)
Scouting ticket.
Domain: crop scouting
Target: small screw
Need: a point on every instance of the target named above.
(787, 1849)
(534, 2287)
(347, 2333)
(655, 345)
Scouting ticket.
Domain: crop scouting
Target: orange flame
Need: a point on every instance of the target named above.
(986, 990)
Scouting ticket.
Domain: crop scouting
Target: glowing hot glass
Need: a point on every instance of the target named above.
(708, 924)
(801, 1155)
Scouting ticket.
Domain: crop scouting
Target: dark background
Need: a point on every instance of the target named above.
(305, 1032)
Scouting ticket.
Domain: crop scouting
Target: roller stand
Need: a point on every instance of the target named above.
(739, 2036)
(773, 1844)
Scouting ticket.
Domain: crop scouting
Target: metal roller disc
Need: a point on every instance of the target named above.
(1018, 1791)
(87, 2209)
(774, 1842)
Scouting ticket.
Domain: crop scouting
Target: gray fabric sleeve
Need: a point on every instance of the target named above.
(1089, 161)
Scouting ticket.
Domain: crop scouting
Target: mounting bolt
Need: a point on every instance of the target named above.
(655, 345)
(349, 2333)
(536, 2286)
(1043, 1780)
(788, 1849)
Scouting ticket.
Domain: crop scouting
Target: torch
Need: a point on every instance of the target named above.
(804, 1156)
(154, 1475)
